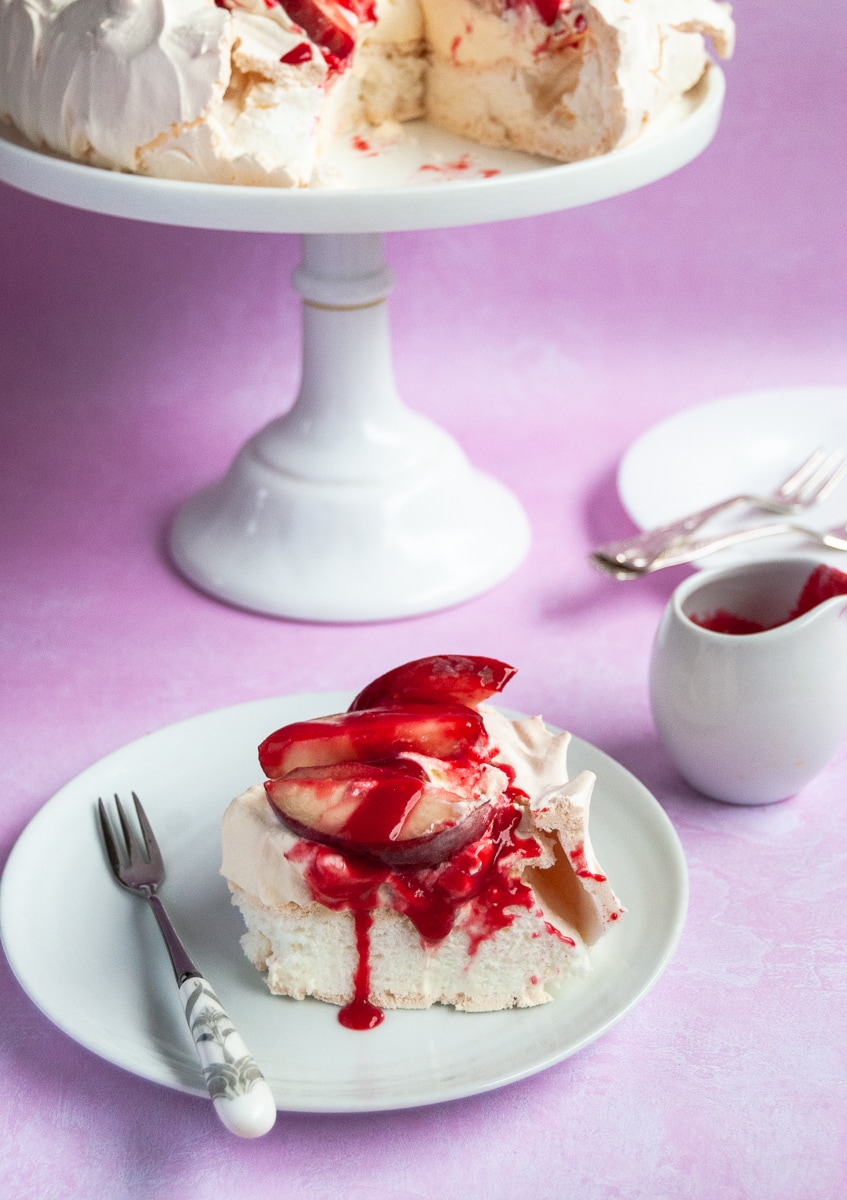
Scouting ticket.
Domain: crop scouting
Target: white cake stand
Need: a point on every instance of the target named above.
(350, 507)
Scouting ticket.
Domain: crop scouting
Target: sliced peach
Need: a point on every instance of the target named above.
(388, 814)
(356, 801)
(439, 845)
(441, 679)
(374, 734)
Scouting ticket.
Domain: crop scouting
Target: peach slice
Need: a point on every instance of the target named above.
(379, 811)
(375, 734)
(441, 679)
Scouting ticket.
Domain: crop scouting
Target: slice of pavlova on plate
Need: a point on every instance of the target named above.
(421, 848)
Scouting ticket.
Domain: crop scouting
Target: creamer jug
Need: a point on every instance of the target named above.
(751, 718)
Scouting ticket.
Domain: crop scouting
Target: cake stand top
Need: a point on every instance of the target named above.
(426, 180)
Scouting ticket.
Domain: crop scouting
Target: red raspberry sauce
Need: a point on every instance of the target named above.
(724, 621)
(823, 583)
(480, 881)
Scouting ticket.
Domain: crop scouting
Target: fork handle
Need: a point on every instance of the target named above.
(240, 1093)
(691, 551)
(635, 553)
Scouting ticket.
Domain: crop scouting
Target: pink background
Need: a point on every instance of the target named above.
(135, 359)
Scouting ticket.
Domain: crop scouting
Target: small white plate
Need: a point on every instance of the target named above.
(745, 443)
(90, 957)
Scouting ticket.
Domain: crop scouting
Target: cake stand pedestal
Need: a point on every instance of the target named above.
(351, 507)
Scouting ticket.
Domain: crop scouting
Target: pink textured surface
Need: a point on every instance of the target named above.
(135, 359)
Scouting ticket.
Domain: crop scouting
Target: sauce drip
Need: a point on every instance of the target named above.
(360, 1013)
(382, 809)
(579, 862)
(480, 881)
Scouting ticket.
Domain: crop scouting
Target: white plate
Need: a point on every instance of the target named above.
(89, 954)
(745, 443)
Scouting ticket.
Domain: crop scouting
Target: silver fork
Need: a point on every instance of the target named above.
(241, 1095)
(810, 483)
(685, 552)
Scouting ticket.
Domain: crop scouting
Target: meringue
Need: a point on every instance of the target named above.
(241, 92)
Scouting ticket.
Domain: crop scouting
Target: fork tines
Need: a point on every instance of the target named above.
(817, 477)
(134, 848)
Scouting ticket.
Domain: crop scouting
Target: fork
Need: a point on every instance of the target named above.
(832, 539)
(241, 1095)
(810, 483)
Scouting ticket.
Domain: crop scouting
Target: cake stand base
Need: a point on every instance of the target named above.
(350, 507)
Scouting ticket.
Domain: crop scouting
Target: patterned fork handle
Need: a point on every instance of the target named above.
(241, 1095)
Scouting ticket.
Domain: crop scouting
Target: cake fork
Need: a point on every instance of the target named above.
(241, 1095)
(810, 483)
(689, 551)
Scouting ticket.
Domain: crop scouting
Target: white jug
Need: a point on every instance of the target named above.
(750, 718)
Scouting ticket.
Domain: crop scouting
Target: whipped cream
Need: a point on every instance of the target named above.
(176, 88)
(101, 79)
